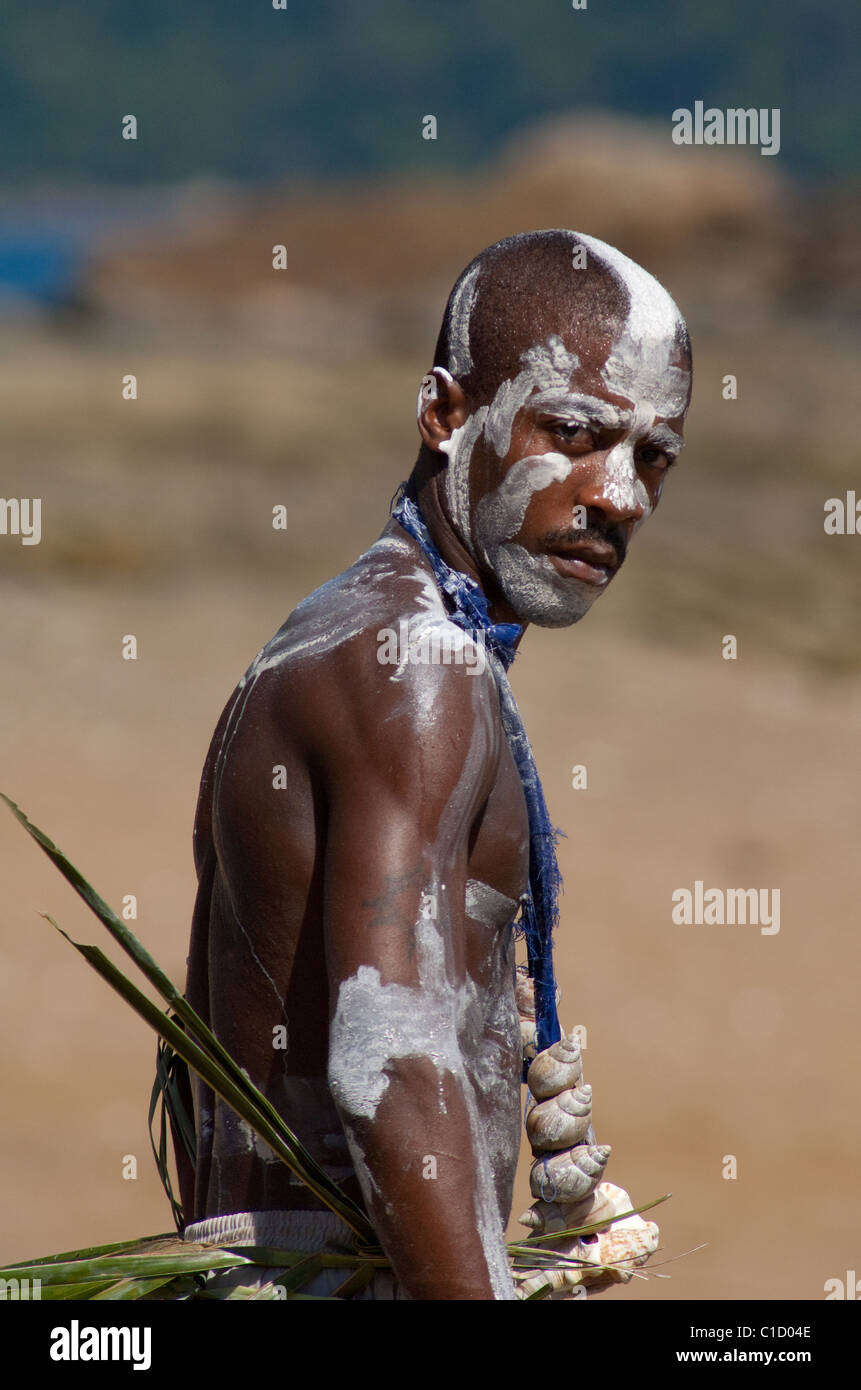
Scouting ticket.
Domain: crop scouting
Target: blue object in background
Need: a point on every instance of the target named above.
(43, 270)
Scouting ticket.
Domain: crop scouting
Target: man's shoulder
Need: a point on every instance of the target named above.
(375, 651)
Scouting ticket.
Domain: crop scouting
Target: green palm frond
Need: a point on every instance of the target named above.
(167, 1100)
(193, 1041)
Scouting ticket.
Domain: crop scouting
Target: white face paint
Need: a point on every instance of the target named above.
(545, 367)
(530, 583)
(461, 309)
(537, 592)
(639, 363)
(623, 487)
(638, 368)
(459, 449)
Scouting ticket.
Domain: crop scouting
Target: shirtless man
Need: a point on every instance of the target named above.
(363, 837)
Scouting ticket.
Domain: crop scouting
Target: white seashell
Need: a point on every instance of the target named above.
(524, 993)
(543, 1217)
(599, 1208)
(528, 1040)
(627, 1244)
(561, 1121)
(556, 1069)
(558, 1279)
(569, 1176)
(615, 1253)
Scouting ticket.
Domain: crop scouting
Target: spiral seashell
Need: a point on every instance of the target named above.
(524, 993)
(610, 1259)
(558, 1279)
(561, 1121)
(569, 1176)
(528, 1039)
(556, 1069)
(544, 1218)
(600, 1207)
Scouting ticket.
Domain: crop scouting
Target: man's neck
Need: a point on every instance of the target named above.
(427, 485)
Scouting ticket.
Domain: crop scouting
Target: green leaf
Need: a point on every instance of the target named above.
(112, 1267)
(289, 1150)
(68, 1256)
(58, 1293)
(166, 1090)
(125, 1289)
(197, 1045)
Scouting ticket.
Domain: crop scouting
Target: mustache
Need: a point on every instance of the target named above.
(575, 535)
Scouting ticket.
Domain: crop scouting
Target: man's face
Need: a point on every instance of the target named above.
(571, 459)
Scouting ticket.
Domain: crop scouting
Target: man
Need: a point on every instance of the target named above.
(370, 817)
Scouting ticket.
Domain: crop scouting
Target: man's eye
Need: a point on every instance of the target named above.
(654, 458)
(573, 433)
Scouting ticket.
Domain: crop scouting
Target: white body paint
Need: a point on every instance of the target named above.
(432, 631)
(469, 1030)
(376, 1024)
(484, 904)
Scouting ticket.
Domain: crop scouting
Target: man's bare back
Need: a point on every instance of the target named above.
(362, 838)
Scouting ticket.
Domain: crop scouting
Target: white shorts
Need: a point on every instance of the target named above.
(302, 1231)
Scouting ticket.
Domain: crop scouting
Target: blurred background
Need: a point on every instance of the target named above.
(256, 387)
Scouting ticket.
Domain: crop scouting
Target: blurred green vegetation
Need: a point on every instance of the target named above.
(235, 88)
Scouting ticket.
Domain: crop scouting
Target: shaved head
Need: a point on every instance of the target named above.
(561, 380)
(524, 289)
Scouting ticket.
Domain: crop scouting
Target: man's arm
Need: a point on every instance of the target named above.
(403, 792)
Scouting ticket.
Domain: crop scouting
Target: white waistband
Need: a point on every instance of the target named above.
(282, 1230)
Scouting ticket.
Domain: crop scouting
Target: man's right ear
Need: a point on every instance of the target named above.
(441, 408)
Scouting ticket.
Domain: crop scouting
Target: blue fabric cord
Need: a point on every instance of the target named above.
(540, 907)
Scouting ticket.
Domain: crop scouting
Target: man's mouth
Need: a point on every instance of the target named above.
(589, 561)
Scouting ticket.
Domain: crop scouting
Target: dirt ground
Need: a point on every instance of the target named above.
(703, 1041)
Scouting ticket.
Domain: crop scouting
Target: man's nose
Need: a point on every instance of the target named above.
(614, 488)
